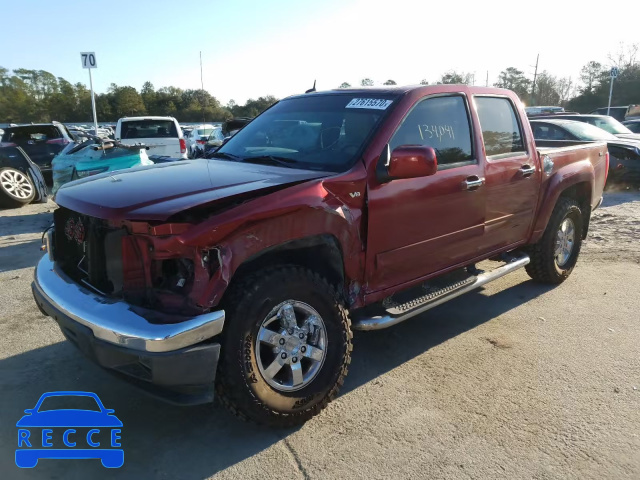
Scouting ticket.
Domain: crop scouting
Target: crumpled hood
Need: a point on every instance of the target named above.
(159, 191)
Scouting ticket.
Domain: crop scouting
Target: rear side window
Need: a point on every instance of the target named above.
(148, 129)
(545, 131)
(31, 133)
(500, 129)
(441, 123)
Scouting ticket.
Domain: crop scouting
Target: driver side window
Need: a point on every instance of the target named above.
(441, 123)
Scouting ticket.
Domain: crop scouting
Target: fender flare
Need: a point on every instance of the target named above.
(565, 178)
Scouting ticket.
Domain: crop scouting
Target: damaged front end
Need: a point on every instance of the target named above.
(141, 263)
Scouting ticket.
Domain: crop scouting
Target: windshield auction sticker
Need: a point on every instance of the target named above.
(372, 103)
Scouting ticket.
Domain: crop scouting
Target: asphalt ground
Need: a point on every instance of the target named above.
(516, 380)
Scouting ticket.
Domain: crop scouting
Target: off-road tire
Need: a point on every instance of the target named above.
(543, 266)
(239, 383)
(8, 200)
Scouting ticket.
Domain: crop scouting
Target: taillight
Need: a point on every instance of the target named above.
(7, 144)
(606, 171)
(201, 142)
(183, 146)
(58, 141)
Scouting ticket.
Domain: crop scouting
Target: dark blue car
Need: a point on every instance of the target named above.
(54, 430)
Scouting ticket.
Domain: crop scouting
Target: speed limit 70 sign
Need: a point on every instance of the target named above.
(88, 59)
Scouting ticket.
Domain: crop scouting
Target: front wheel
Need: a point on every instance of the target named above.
(556, 253)
(286, 348)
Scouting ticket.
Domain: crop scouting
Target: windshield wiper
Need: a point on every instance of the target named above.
(272, 159)
(228, 156)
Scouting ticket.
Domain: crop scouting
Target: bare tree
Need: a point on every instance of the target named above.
(566, 89)
(424, 82)
(547, 89)
(626, 55)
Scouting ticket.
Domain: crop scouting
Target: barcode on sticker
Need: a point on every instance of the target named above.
(375, 103)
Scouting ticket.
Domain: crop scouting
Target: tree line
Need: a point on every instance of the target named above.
(39, 96)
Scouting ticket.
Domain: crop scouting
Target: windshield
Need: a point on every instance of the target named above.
(584, 131)
(609, 124)
(318, 132)
(204, 132)
(69, 402)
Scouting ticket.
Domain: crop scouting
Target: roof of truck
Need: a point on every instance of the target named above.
(398, 90)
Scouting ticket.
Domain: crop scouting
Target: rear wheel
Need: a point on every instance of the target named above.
(16, 188)
(286, 349)
(556, 253)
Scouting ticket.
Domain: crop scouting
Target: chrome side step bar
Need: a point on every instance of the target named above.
(384, 321)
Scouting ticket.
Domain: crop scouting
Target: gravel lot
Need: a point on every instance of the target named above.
(516, 380)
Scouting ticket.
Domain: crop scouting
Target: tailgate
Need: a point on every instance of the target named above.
(158, 146)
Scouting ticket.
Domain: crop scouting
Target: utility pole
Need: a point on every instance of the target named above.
(202, 88)
(613, 74)
(487, 82)
(533, 89)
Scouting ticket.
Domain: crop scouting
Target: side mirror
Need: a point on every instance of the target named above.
(412, 161)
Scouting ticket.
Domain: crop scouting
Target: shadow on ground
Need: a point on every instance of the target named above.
(15, 255)
(160, 440)
(27, 223)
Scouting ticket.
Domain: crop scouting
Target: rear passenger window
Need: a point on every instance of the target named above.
(500, 129)
(148, 129)
(441, 123)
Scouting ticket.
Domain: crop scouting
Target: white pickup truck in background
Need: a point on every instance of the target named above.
(162, 135)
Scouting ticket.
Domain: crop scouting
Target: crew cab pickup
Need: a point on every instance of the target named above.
(244, 274)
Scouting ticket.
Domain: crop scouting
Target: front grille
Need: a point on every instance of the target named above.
(79, 248)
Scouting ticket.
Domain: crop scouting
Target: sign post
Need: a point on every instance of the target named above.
(613, 74)
(89, 61)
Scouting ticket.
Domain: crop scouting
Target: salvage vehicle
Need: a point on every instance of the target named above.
(162, 135)
(246, 273)
(624, 164)
(96, 155)
(40, 141)
(21, 181)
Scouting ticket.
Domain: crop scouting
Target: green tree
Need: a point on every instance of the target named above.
(590, 75)
(148, 94)
(366, 82)
(514, 79)
(546, 90)
(453, 77)
(390, 82)
(424, 82)
(345, 85)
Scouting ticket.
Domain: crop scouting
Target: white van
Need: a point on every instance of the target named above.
(162, 135)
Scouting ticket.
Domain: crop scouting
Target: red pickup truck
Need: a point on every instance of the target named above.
(244, 274)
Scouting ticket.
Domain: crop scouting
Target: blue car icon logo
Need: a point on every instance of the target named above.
(69, 425)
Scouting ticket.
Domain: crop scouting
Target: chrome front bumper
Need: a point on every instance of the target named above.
(115, 321)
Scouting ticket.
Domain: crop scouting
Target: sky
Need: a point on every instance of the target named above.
(252, 48)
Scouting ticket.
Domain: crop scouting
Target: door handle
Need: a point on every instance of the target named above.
(473, 182)
(527, 170)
